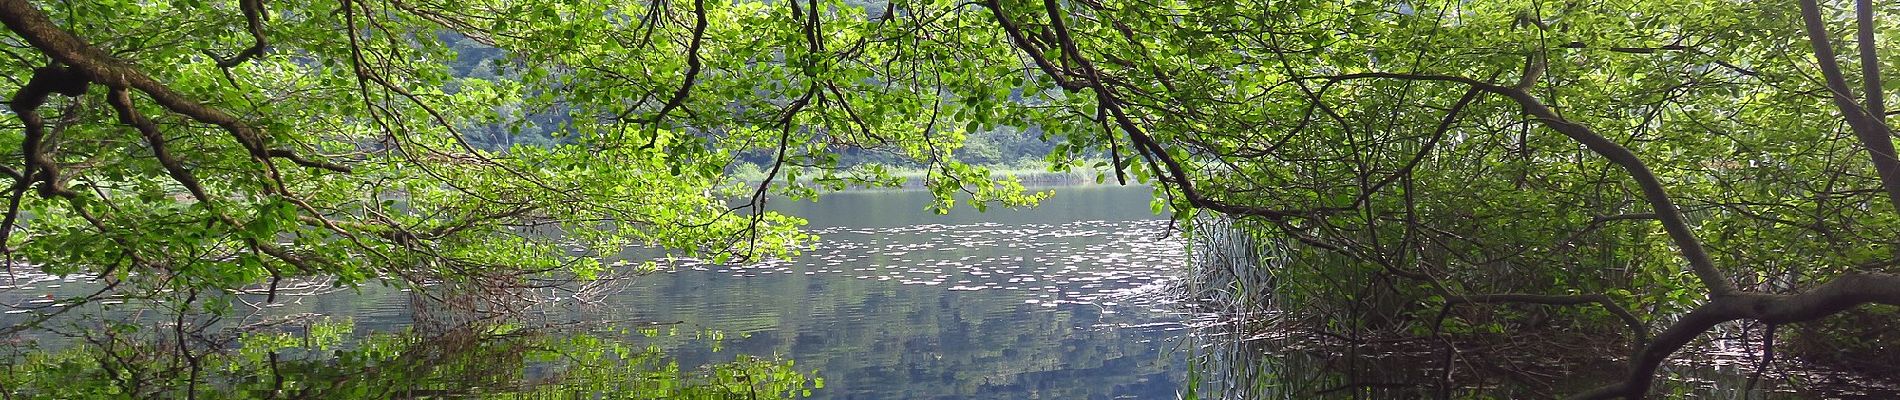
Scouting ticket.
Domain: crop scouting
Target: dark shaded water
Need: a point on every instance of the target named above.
(1057, 302)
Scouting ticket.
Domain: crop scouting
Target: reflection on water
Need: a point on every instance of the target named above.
(323, 359)
(1066, 301)
(1055, 303)
(1224, 365)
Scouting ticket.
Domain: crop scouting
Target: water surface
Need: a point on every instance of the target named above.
(1064, 301)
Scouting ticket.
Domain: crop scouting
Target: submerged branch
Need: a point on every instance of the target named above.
(1837, 295)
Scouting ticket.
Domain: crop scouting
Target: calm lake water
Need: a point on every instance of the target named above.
(1064, 301)
(897, 303)
(894, 302)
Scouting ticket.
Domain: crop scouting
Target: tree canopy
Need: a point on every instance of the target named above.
(1679, 163)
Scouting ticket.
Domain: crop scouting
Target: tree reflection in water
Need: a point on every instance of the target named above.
(1233, 361)
(309, 357)
(1287, 365)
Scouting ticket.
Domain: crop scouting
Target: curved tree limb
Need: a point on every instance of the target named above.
(39, 167)
(254, 17)
(1726, 302)
(121, 101)
(1658, 198)
(1843, 292)
(1869, 62)
(693, 65)
(21, 17)
(1145, 145)
(1874, 135)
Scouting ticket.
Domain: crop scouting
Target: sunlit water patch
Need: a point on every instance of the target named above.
(962, 310)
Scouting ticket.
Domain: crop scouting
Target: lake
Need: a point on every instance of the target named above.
(1065, 301)
(894, 302)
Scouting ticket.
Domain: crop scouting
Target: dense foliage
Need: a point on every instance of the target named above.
(1672, 164)
(333, 139)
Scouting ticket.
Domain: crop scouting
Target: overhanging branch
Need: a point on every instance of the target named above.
(1658, 198)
